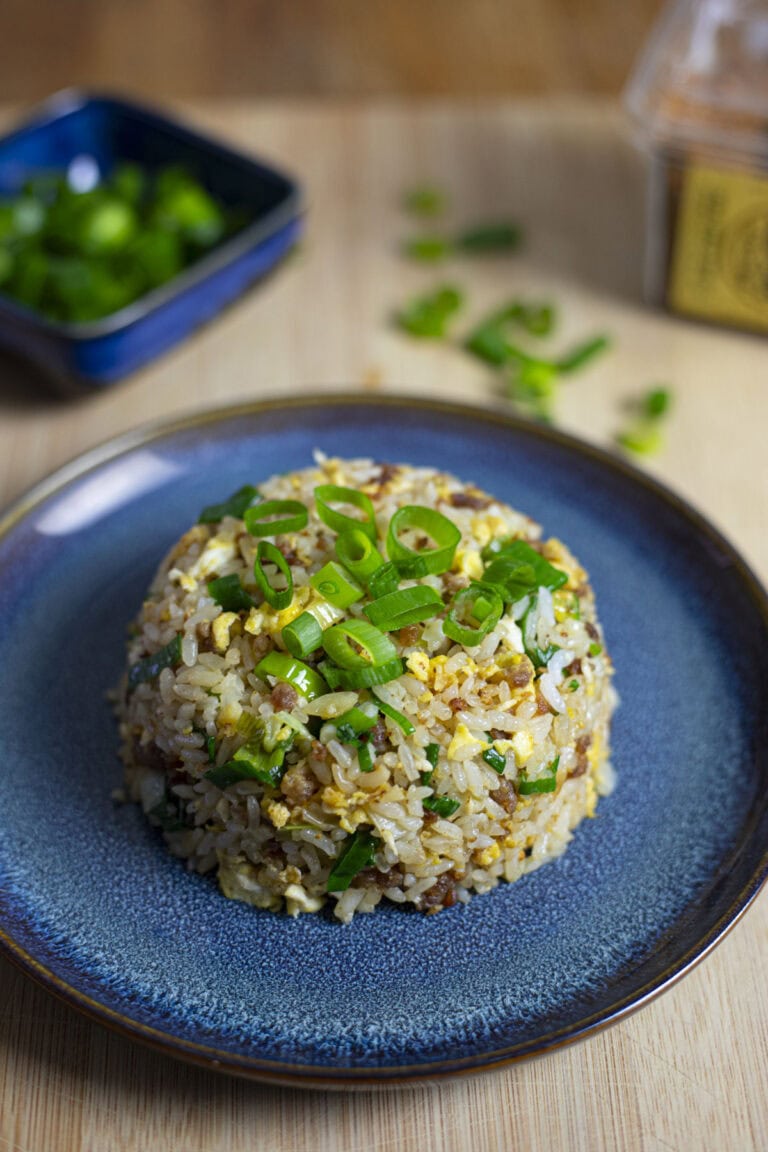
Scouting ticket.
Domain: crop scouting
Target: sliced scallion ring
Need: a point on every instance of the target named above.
(304, 679)
(303, 635)
(356, 552)
(277, 598)
(403, 723)
(365, 758)
(364, 677)
(229, 594)
(424, 561)
(274, 517)
(384, 580)
(403, 607)
(478, 602)
(327, 494)
(357, 644)
(336, 585)
(235, 505)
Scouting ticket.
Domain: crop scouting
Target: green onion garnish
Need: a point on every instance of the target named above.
(479, 603)
(304, 679)
(277, 598)
(441, 805)
(582, 353)
(336, 585)
(432, 752)
(406, 606)
(150, 667)
(363, 677)
(396, 717)
(229, 593)
(365, 758)
(573, 686)
(519, 569)
(426, 201)
(356, 552)
(428, 316)
(414, 563)
(235, 505)
(359, 852)
(595, 649)
(486, 238)
(303, 635)
(384, 580)
(357, 644)
(656, 403)
(252, 762)
(495, 760)
(427, 248)
(358, 720)
(489, 343)
(528, 787)
(274, 517)
(328, 494)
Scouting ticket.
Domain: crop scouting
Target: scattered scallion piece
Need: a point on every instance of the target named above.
(581, 354)
(573, 686)
(384, 580)
(302, 635)
(412, 562)
(657, 402)
(366, 676)
(519, 569)
(277, 598)
(432, 753)
(488, 238)
(229, 594)
(304, 679)
(357, 720)
(641, 440)
(427, 248)
(326, 495)
(150, 667)
(527, 787)
(403, 723)
(365, 758)
(474, 612)
(405, 606)
(356, 552)
(252, 762)
(426, 201)
(235, 506)
(428, 316)
(358, 853)
(357, 644)
(643, 436)
(336, 585)
(595, 649)
(495, 760)
(275, 517)
(444, 806)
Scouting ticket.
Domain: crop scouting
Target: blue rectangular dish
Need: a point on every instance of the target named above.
(110, 131)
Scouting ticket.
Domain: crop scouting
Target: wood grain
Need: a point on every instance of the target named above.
(689, 1069)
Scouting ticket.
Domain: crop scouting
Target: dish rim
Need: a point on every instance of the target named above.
(321, 1076)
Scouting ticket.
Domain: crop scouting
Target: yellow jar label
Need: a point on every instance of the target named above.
(720, 255)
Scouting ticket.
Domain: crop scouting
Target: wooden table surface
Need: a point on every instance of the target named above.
(689, 1069)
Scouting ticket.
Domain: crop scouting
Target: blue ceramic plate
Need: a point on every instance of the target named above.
(92, 905)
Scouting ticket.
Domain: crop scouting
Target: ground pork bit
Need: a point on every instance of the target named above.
(458, 704)
(592, 632)
(260, 645)
(542, 705)
(373, 878)
(574, 668)
(284, 697)
(519, 675)
(319, 751)
(505, 796)
(378, 735)
(582, 760)
(409, 635)
(149, 755)
(453, 582)
(299, 783)
(442, 894)
(470, 500)
(290, 555)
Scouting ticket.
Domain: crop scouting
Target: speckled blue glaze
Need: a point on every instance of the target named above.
(91, 903)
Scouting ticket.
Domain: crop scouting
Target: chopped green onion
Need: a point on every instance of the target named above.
(528, 787)
(406, 606)
(582, 354)
(324, 613)
(150, 667)
(364, 677)
(427, 201)
(396, 717)
(371, 647)
(359, 852)
(357, 720)
(414, 563)
(444, 806)
(303, 635)
(428, 316)
(427, 248)
(229, 593)
(519, 569)
(643, 439)
(497, 237)
(489, 343)
(277, 598)
(478, 602)
(384, 580)
(432, 753)
(656, 403)
(304, 679)
(275, 517)
(365, 758)
(252, 762)
(495, 760)
(595, 649)
(573, 686)
(326, 494)
(166, 813)
(235, 505)
(356, 552)
(336, 585)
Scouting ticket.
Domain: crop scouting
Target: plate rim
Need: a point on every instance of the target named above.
(320, 1075)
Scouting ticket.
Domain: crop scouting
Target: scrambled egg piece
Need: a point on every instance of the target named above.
(278, 813)
(464, 742)
(468, 562)
(488, 855)
(418, 663)
(221, 629)
(522, 744)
